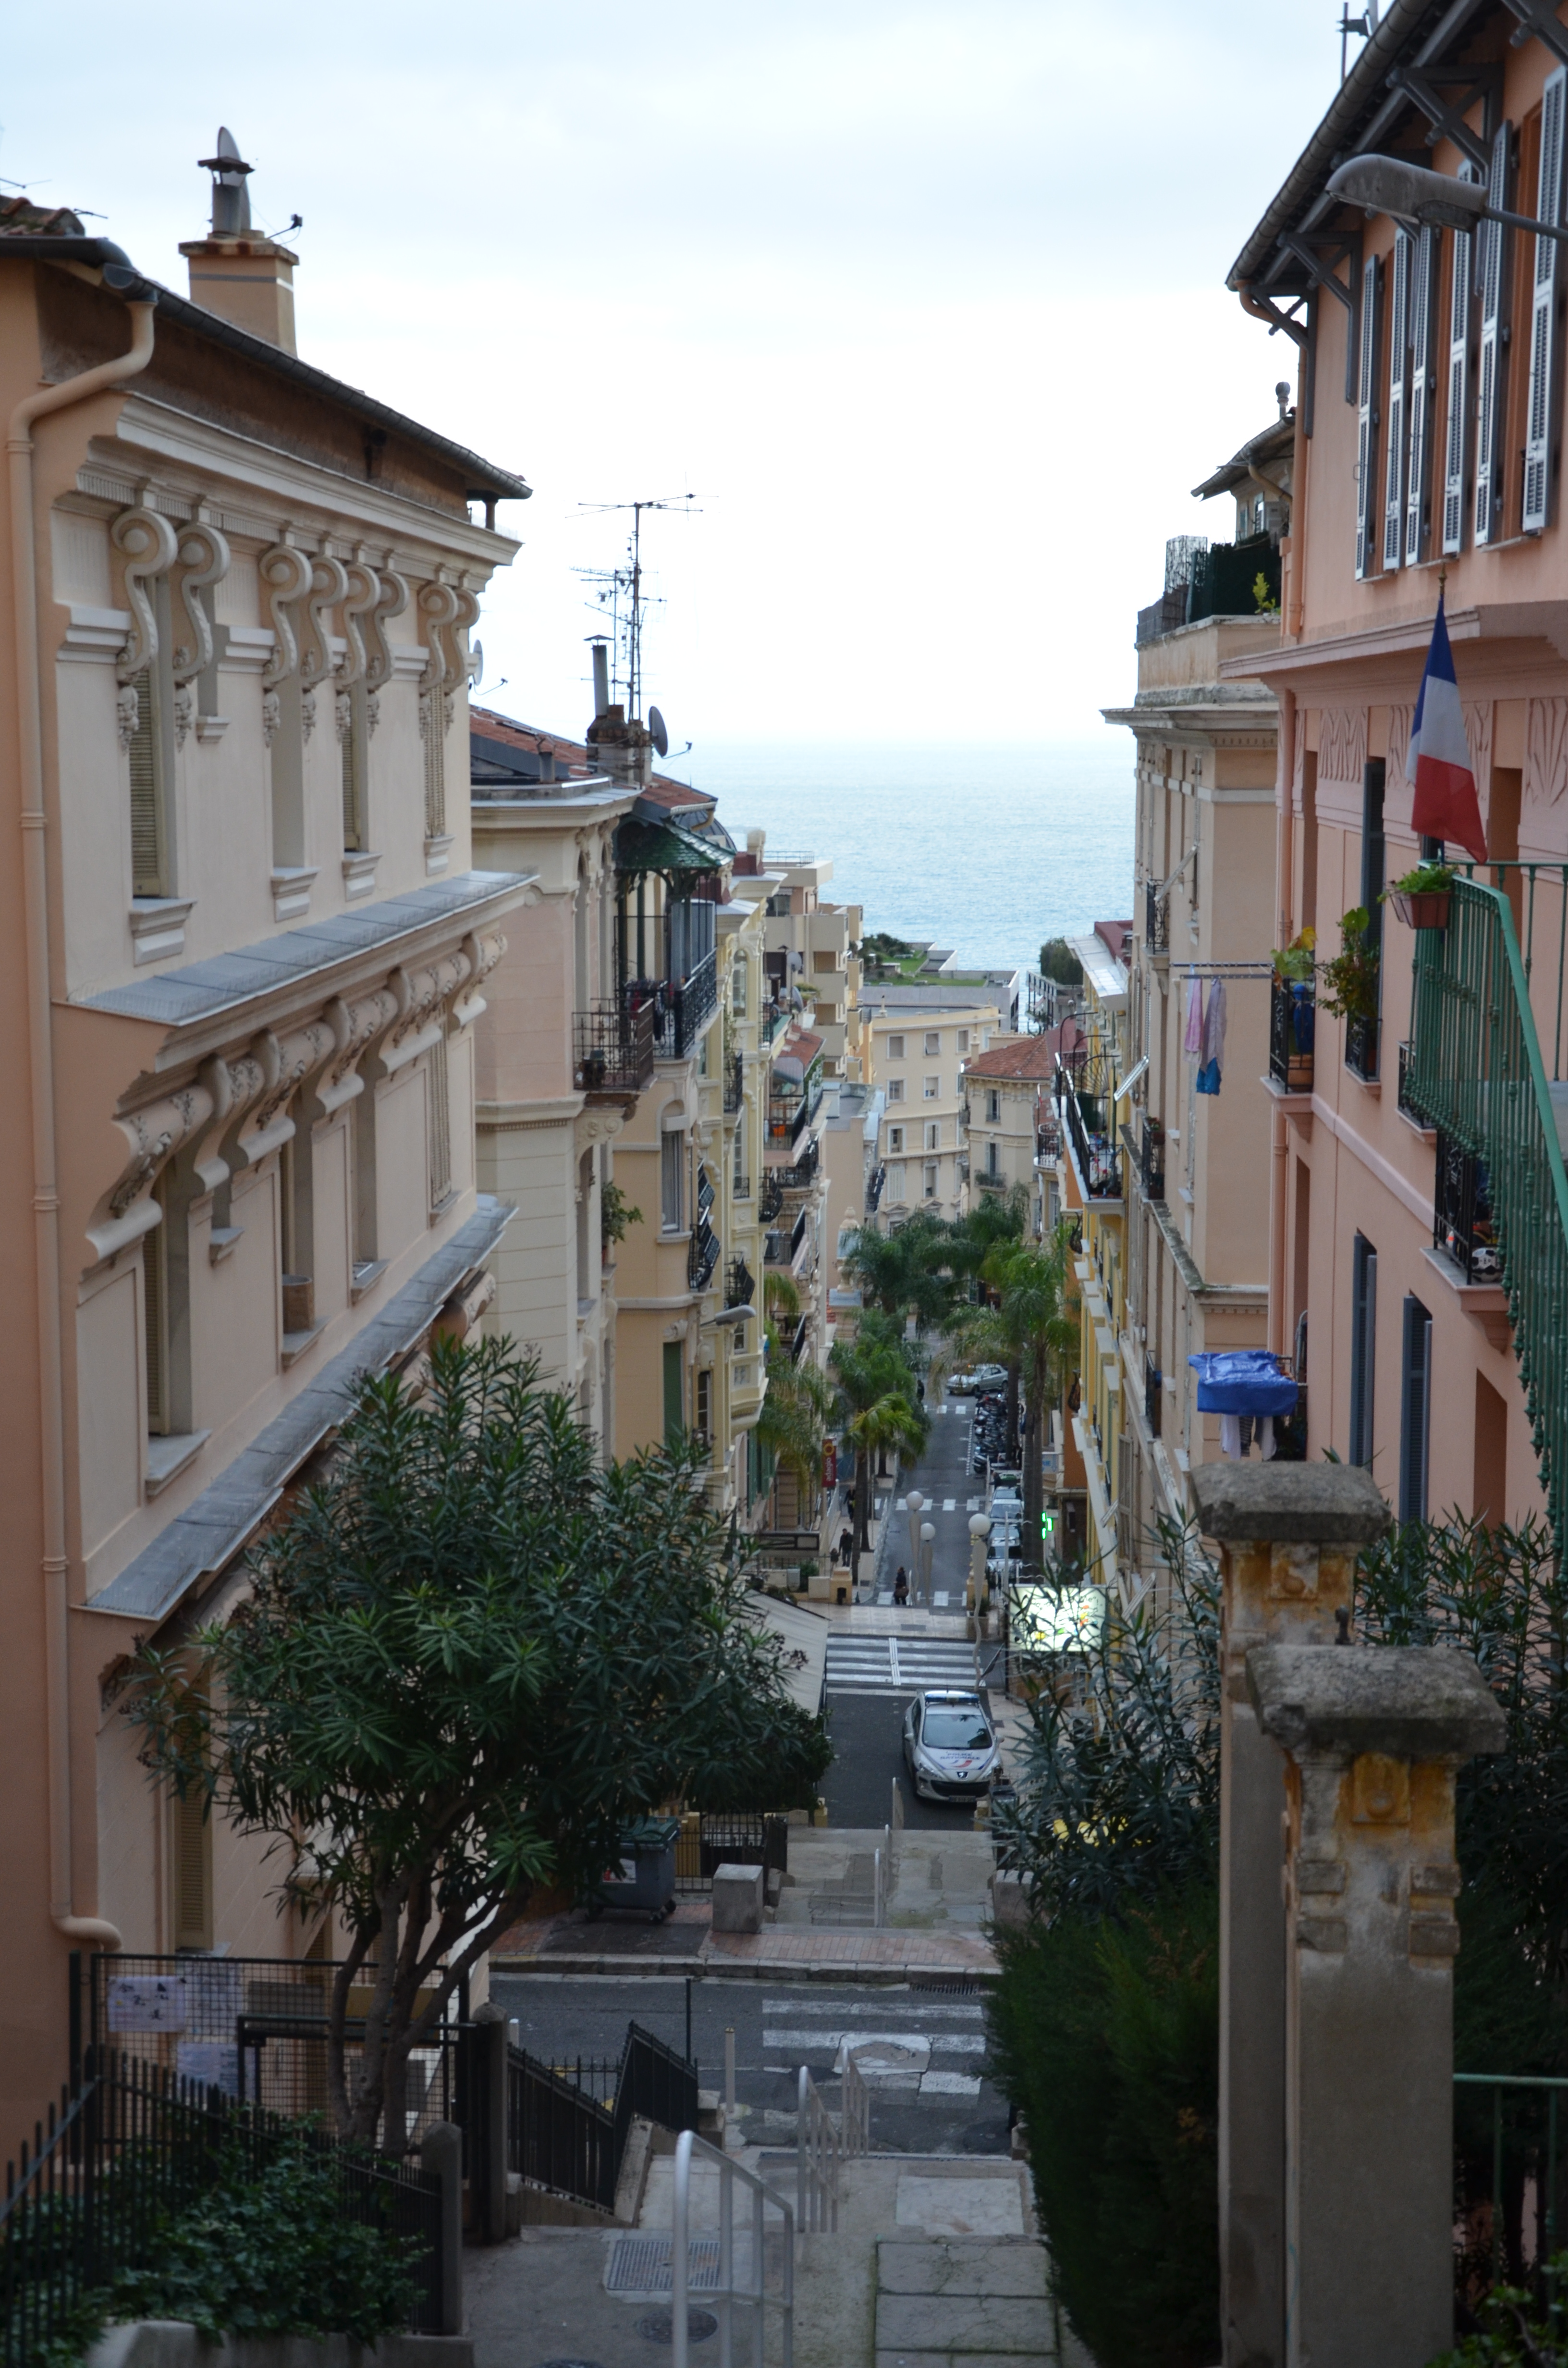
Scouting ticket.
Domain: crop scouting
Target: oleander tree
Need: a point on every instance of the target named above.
(469, 1656)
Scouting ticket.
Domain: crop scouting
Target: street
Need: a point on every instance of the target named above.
(935, 2097)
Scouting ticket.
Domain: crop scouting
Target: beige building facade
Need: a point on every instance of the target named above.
(917, 1041)
(250, 945)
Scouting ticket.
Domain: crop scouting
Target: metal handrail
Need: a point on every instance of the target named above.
(726, 2294)
(823, 2146)
(1476, 1072)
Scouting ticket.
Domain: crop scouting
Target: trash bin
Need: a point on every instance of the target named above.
(645, 1881)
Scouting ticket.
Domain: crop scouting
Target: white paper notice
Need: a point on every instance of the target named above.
(215, 2062)
(147, 2002)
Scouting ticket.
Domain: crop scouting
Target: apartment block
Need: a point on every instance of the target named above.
(917, 1040)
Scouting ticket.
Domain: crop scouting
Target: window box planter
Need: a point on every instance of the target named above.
(1422, 910)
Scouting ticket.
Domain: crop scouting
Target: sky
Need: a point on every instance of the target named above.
(925, 303)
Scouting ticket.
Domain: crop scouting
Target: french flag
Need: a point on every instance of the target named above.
(1446, 805)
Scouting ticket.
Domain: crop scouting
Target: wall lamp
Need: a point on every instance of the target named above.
(1385, 185)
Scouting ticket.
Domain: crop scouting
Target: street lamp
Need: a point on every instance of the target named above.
(1386, 185)
(927, 1534)
(915, 1504)
(979, 1531)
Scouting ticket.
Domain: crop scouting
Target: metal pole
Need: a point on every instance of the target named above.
(680, 2256)
(758, 2252)
(689, 2018)
(729, 2076)
(726, 2264)
(801, 2220)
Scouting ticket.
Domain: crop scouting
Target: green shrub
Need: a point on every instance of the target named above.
(1509, 2335)
(1107, 2039)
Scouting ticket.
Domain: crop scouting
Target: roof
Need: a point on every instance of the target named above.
(196, 990)
(880, 1002)
(1116, 937)
(494, 738)
(1361, 115)
(663, 847)
(1277, 442)
(1026, 1060)
(798, 1045)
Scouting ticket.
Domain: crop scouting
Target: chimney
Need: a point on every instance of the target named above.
(601, 680)
(238, 272)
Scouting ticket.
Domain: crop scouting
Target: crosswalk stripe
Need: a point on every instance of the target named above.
(897, 1664)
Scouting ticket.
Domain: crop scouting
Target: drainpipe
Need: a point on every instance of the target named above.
(96, 1931)
(1284, 874)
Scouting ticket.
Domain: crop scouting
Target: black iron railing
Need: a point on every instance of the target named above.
(798, 1340)
(802, 1171)
(1156, 920)
(771, 1198)
(739, 1284)
(1463, 1223)
(1362, 1046)
(734, 1083)
(681, 1009)
(1408, 1108)
(789, 1115)
(1099, 1164)
(780, 1247)
(1292, 1027)
(1153, 1393)
(701, 1255)
(1152, 1160)
(612, 1048)
(740, 1190)
(874, 1188)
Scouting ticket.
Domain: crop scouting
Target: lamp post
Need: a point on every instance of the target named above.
(916, 1504)
(927, 1534)
(1385, 185)
(979, 1531)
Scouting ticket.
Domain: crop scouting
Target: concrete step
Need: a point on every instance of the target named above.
(968, 2302)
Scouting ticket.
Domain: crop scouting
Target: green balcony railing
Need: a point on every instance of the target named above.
(1476, 1071)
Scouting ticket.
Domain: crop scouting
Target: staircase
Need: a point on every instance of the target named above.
(1476, 1071)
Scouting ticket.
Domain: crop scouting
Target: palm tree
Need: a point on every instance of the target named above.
(906, 1273)
(894, 1426)
(878, 1389)
(1033, 1330)
(793, 1418)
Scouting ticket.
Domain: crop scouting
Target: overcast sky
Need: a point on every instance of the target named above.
(924, 302)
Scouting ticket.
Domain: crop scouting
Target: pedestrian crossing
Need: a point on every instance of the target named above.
(897, 1664)
(820, 2035)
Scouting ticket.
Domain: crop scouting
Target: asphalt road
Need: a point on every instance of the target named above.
(946, 2102)
(868, 1754)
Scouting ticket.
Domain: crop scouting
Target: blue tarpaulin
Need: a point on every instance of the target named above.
(1243, 1381)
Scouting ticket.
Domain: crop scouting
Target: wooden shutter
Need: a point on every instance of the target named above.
(156, 1319)
(1489, 390)
(1458, 425)
(1363, 1346)
(1416, 1397)
(191, 1853)
(441, 1126)
(1421, 398)
(1367, 424)
(1540, 419)
(1398, 412)
(146, 794)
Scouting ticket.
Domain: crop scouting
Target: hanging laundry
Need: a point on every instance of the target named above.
(1212, 1051)
(1193, 1039)
(1231, 1435)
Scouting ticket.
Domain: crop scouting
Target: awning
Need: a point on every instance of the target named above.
(663, 847)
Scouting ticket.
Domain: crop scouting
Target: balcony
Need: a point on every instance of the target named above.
(1152, 1160)
(1099, 1164)
(789, 1115)
(1462, 1223)
(680, 1010)
(1292, 1026)
(1156, 920)
(874, 1188)
(1361, 1047)
(612, 1051)
(1406, 1106)
(740, 1190)
(771, 1198)
(781, 1246)
(1224, 579)
(701, 1255)
(734, 1083)
(739, 1284)
(801, 1173)
(799, 1341)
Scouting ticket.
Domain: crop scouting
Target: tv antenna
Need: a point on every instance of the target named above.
(630, 580)
(1366, 25)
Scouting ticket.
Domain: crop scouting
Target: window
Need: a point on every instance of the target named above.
(1363, 1346)
(675, 1389)
(933, 1039)
(155, 1323)
(993, 1160)
(933, 1088)
(151, 870)
(1415, 1410)
(191, 1869)
(896, 1182)
(963, 1040)
(993, 1107)
(672, 1169)
(705, 1401)
(895, 1089)
(930, 1180)
(738, 989)
(895, 1138)
(933, 1134)
(895, 1048)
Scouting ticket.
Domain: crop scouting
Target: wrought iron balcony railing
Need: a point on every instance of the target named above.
(680, 1009)
(739, 1284)
(612, 1049)
(701, 1255)
(740, 1190)
(800, 1173)
(1463, 1223)
(1361, 1035)
(1154, 1394)
(1100, 1163)
(789, 1115)
(1292, 1026)
(1152, 1160)
(781, 1246)
(874, 1188)
(734, 1083)
(1156, 919)
(771, 1198)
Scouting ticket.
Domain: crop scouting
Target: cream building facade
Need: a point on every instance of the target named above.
(917, 1043)
(1006, 1107)
(250, 944)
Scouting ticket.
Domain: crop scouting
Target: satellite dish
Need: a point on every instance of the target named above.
(658, 733)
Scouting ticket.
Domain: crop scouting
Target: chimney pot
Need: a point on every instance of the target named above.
(239, 272)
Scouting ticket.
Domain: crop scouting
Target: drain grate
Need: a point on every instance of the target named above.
(945, 1989)
(642, 2265)
(659, 2325)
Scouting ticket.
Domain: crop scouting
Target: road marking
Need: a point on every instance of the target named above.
(844, 2013)
(948, 2084)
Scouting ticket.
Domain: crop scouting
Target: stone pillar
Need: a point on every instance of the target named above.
(489, 2176)
(1288, 1535)
(1373, 1739)
(441, 2150)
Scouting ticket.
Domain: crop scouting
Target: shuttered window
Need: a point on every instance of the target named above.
(149, 869)
(1489, 390)
(1415, 1411)
(433, 717)
(191, 1866)
(1367, 514)
(1540, 417)
(1399, 388)
(353, 738)
(155, 1315)
(441, 1126)
(1363, 1346)
(675, 1393)
(1421, 398)
(1457, 424)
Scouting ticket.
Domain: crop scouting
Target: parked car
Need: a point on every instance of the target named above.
(991, 1377)
(949, 1746)
(961, 1385)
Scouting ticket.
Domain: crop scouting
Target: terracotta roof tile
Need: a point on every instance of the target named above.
(484, 723)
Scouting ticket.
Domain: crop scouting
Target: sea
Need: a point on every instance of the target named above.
(987, 849)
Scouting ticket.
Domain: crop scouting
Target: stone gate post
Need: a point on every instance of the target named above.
(1288, 1535)
(1373, 1739)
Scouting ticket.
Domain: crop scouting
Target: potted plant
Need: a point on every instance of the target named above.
(1421, 899)
(1350, 980)
(1296, 962)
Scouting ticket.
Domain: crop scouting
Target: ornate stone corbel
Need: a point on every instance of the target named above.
(438, 607)
(362, 590)
(460, 659)
(204, 559)
(287, 1063)
(482, 954)
(153, 1135)
(390, 601)
(148, 545)
(357, 1027)
(591, 1127)
(329, 587)
(422, 997)
(284, 575)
